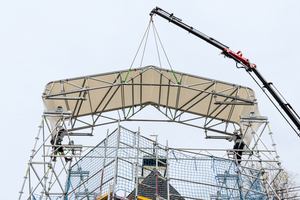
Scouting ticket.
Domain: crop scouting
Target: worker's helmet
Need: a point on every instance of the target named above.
(235, 132)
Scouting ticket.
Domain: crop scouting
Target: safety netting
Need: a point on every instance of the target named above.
(130, 165)
(46, 197)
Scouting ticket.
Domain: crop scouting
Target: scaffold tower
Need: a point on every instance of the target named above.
(128, 165)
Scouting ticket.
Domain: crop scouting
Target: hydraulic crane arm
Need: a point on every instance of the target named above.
(238, 58)
(225, 49)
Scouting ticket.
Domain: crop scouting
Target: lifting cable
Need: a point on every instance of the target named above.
(145, 37)
(146, 33)
(154, 28)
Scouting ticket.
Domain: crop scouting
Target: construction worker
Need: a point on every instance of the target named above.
(238, 144)
(57, 141)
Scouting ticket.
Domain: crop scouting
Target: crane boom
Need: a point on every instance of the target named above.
(238, 58)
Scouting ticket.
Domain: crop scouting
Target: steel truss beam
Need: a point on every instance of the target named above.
(183, 112)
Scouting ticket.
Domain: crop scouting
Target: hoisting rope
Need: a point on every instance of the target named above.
(164, 52)
(146, 34)
(153, 28)
(145, 44)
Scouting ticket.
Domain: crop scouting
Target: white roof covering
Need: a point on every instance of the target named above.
(97, 94)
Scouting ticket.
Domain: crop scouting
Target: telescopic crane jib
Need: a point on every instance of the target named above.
(239, 59)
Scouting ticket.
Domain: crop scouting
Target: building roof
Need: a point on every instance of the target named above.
(148, 185)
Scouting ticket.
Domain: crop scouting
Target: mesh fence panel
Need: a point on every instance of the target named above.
(190, 176)
(212, 178)
(86, 175)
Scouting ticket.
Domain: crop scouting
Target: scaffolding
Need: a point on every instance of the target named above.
(132, 166)
(128, 165)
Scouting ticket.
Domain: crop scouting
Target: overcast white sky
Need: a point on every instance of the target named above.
(41, 41)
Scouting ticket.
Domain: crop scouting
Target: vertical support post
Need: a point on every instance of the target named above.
(137, 163)
(106, 141)
(240, 181)
(51, 176)
(116, 157)
(167, 170)
(278, 162)
(67, 181)
(286, 186)
(260, 162)
(29, 179)
(45, 189)
(273, 143)
(108, 195)
(124, 198)
(240, 184)
(157, 185)
(156, 166)
(25, 177)
(44, 158)
(29, 162)
(265, 182)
